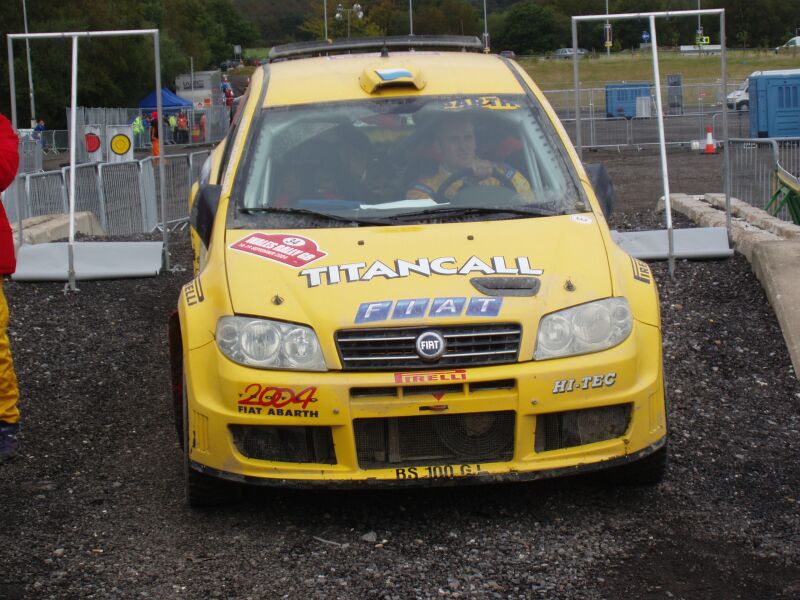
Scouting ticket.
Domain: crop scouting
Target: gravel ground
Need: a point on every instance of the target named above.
(94, 505)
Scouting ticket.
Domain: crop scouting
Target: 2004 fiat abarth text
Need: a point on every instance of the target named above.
(403, 276)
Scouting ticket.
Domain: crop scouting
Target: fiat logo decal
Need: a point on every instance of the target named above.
(430, 345)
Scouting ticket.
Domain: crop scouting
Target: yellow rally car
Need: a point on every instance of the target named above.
(403, 276)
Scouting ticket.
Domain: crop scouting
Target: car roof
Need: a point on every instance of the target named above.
(336, 77)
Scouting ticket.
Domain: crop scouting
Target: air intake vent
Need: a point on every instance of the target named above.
(285, 444)
(555, 431)
(506, 286)
(434, 440)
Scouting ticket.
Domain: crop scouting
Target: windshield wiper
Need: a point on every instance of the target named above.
(311, 213)
(481, 210)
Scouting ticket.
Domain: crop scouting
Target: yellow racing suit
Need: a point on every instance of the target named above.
(9, 392)
(427, 187)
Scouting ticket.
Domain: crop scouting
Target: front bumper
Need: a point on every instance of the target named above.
(224, 398)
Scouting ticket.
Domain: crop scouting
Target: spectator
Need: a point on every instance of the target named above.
(38, 131)
(9, 391)
(156, 151)
(183, 128)
(138, 131)
(173, 127)
(203, 127)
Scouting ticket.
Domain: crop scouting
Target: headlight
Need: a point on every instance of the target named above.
(582, 329)
(269, 344)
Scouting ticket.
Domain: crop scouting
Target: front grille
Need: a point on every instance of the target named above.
(421, 390)
(285, 444)
(467, 346)
(432, 440)
(567, 429)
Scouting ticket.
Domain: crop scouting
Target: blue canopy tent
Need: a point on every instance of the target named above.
(170, 102)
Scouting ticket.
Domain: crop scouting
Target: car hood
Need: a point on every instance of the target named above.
(418, 274)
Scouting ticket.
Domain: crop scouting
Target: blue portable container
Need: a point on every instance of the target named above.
(775, 104)
(621, 98)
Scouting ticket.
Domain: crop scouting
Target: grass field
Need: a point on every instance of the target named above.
(255, 53)
(597, 71)
(701, 74)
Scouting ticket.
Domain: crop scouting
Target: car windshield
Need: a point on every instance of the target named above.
(402, 160)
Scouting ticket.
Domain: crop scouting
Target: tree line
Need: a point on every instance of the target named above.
(527, 26)
(114, 71)
(119, 71)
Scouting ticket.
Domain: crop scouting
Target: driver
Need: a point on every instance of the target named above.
(456, 145)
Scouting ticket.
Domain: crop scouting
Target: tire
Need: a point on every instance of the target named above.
(649, 470)
(203, 490)
(743, 106)
(177, 378)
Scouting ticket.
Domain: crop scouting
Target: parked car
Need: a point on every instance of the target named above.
(365, 312)
(792, 44)
(567, 53)
(508, 54)
(229, 64)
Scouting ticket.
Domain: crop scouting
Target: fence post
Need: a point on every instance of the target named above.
(101, 198)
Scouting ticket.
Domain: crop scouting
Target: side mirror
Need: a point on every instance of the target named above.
(603, 188)
(204, 209)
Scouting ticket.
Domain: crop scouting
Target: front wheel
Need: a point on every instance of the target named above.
(743, 106)
(649, 470)
(203, 490)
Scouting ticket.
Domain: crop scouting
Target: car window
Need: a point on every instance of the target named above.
(374, 160)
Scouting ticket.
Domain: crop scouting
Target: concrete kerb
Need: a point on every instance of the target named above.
(770, 245)
(47, 228)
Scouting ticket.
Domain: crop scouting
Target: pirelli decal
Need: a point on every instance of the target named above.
(194, 292)
(641, 272)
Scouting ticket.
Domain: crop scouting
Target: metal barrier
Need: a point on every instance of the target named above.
(789, 155)
(177, 185)
(46, 194)
(196, 162)
(696, 97)
(125, 207)
(637, 132)
(125, 197)
(738, 123)
(753, 166)
(88, 195)
(30, 156)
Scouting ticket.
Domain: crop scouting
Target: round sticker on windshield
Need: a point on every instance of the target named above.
(582, 219)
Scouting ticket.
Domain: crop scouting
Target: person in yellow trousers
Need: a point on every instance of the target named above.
(9, 392)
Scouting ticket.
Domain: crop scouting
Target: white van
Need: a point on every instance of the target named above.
(740, 98)
(792, 44)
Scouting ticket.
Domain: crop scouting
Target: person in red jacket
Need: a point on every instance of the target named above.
(9, 392)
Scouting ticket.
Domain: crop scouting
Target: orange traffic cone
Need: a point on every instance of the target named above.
(711, 145)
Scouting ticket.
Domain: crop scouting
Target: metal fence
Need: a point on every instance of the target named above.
(753, 166)
(696, 97)
(206, 126)
(125, 197)
(637, 132)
